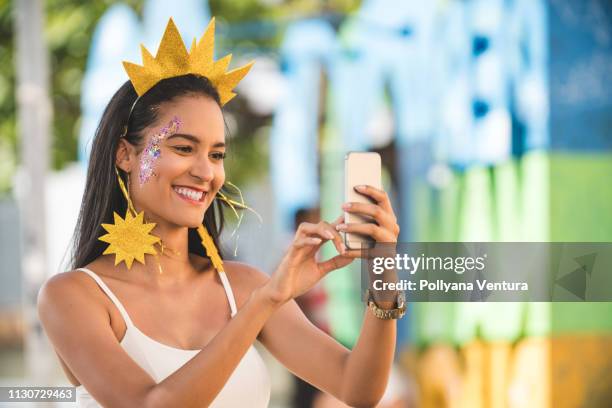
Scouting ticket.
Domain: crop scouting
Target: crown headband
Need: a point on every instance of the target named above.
(173, 60)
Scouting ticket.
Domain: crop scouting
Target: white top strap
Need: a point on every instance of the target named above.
(110, 294)
(228, 292)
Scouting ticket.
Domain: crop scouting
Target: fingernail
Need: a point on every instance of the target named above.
(329, 235)
(346, 206)
(341, 227)
(360, 187)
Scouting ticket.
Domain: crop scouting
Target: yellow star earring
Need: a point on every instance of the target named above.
(129, 238)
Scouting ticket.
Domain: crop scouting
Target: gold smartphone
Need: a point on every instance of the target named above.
(360, 168)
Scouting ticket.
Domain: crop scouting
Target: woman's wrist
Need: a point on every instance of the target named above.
(267, 297)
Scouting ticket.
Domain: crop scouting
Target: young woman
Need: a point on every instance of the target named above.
(177, 330)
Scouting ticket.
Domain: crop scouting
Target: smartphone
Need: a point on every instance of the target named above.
(360, 168)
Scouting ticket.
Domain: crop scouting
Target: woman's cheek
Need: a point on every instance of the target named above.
(220, 178)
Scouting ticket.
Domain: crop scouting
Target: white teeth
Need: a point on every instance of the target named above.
(189, 193)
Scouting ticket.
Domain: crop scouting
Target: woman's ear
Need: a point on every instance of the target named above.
(125, 156)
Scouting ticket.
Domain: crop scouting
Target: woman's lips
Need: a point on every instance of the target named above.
(186, 197)
(189, 200)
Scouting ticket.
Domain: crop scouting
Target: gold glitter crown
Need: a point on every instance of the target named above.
(173, 60)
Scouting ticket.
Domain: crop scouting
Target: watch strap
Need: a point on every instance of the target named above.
(387, 314)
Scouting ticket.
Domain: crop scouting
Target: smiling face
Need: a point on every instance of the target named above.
(178, 172)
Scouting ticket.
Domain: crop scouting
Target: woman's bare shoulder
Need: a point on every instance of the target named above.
(74, 286)
(77, 322)
(64, 283)
(244, 279)
(245, 274)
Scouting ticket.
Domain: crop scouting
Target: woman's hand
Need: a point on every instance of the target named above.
(299, 270)
(385, 229)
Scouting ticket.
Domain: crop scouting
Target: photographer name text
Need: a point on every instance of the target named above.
(440, 286)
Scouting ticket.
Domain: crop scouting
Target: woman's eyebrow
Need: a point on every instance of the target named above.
(184, 136)
(193, 139)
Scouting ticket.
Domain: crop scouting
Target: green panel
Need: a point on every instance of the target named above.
(449, 209)
(467, 322)
(581, 198)
(535, 211)
(542, 197)
(539, 319)
(581, 317)
(476, 207)
(436, 215)
(534, 170)
(433, 323)
(507, 203)
(424, 221)
(502, 321)
(568, 318)
(579, 210)
(475, 224)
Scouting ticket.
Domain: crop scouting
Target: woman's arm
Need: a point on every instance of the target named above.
(80, 331)
(368, 367)
(358, 377)
(366, 372)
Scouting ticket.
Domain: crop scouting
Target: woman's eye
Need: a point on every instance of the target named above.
(184, 149)
(218, 155)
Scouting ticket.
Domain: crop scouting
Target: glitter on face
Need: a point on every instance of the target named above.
(152, 151)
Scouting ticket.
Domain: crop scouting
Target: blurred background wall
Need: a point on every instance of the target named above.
(493, 119)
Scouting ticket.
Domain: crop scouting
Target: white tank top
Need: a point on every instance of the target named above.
(248, 386)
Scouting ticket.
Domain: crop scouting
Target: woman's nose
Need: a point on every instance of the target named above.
(203, 170)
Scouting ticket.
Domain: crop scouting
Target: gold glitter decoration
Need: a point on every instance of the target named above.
(129, 238)
(173, 60)
(125, 192)
(211, 249)
(233, 204)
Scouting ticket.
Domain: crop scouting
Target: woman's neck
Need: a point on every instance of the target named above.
(174, 242)
(172, 264)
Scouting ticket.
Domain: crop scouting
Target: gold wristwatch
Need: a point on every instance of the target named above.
(387, 314)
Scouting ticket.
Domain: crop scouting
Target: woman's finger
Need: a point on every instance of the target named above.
(334, 263)
(353, 253)
(382, 217)
(325, 231)
(378, 233)
(380, 196)
(337, 221)
(306, 242)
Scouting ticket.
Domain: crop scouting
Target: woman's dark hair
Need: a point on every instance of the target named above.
(102, 194)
